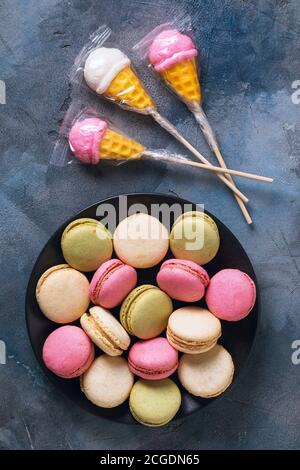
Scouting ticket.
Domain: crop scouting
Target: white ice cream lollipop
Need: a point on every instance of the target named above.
(102, 66)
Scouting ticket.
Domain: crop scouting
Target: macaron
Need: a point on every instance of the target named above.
(182, 280)
(108, 382)
(153, 359)
(231, 295)
(68, 352)
(195, 237)
(63, 294)
(141, 241)
(154, 402)
(145, 311)
(111, 283)
(105, 331)
(193, 330)
(206, 375)
(86, 244)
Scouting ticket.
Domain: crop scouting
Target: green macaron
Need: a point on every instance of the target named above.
(195, 237)
(145, 311)
(154, 402)
(86, 244)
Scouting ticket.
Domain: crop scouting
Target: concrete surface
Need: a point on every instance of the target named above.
(250, 58)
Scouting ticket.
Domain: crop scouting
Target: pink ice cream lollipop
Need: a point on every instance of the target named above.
(91, 139)
(173, 54)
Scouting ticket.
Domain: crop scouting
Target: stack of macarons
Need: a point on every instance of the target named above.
(144, 336)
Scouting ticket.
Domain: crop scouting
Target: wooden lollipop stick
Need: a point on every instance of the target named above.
(204, 166)
(163, 122)
(202, 120)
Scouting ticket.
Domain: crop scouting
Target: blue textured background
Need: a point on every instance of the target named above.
(250, 57)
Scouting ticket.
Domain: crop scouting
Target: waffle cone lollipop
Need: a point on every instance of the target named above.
(108, 72)
(173, 56)
(183, 79)
(92, 140)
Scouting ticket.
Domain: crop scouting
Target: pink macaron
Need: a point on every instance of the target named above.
(182, 280)
(153, 359)
(68, 352)
(111, 283)
(231, 295)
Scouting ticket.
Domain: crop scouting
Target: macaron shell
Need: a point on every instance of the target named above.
(206, 375)
(108, 381)
(153, 359)
(182, 280)
(63, 294)
(231, 295)
(111, 283)
(141, 241)
(86, 244)
(68, 351)
(145, 311)
(85, 366)
(193, 329)
(105, 331)
(195, 237)
(154, 403)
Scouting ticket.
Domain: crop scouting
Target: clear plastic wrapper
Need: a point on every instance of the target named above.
(92, 138)
(105, 69)
(86, 136)
(108, 71)
(171, 52)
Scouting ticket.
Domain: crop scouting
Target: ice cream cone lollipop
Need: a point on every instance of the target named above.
(173, 56)
(91, 140)
(108, 72)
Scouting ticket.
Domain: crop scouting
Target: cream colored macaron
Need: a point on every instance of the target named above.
(141, 241)
(108, 381)
(206, 375)
(193, 330)
(105, 331)
(63, 294)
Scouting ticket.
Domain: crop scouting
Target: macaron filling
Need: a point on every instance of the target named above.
(129, 304)
(199, 275)
(145, 371)
(105, 336)
(191, 345)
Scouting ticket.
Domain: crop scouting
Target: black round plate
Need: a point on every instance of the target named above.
(237, 337)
